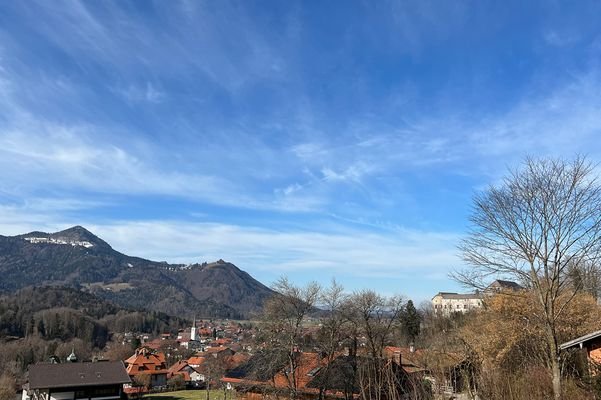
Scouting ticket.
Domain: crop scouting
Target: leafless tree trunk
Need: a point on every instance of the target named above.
(376, 318)
(543, 218)
(333, 332)
(283, 320)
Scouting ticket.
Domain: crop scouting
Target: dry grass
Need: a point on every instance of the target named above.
(191, 395)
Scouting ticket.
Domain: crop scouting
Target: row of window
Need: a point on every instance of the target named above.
(107, 391)
(440, 306)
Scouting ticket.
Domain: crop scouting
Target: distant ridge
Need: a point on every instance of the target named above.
(76, 257)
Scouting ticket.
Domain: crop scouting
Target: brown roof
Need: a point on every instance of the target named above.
(145, 361)
(47, 376)
(181, 368)
(409, 360)
(196, 360)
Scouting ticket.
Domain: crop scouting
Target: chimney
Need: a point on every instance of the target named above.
(411, 347)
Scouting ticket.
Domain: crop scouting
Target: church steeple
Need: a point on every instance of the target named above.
(193, 330)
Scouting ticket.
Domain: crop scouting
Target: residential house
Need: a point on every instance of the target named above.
(196, 361)
(407, 358)
(89, 380)
(147, 370)
(219, 352)
(500, 285)
(448, 372)
(190, 376)
(262, 377)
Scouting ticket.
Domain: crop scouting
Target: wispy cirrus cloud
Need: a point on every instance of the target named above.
(298, 116)
(335, 251)
(146, 93)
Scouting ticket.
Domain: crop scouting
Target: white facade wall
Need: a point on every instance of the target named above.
(46, 395)
(450, 303)
(62, 396)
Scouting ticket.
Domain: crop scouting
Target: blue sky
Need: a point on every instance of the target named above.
(307, 139)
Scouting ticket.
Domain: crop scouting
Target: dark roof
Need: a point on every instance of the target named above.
(342, 373)
(46, 376)
(262, 366)
(458, 296)
(581, 339)
(501, 284)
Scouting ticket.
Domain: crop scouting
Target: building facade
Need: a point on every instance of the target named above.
(447, 303)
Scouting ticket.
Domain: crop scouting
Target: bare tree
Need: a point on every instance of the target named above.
(283, 322)
(333, 331)
(376, 319)
(585, 277)
(541, 219)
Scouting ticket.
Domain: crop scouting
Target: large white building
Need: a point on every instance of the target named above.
(447, 303)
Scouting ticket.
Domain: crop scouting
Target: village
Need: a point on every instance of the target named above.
(229, 359)
(219, 356)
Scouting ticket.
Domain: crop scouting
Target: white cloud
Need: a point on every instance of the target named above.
(353, 253)
(353, 173)
(560, 39)
(136, 94)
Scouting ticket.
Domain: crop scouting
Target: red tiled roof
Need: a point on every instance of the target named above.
(306, 363)
(196, 360)
(178, 366)
(145, 361)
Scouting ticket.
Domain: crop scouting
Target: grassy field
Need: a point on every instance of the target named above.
(190, 395)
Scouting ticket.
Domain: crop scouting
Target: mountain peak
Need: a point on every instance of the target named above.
(76, 257)
(77, 229)
(221, 263)
(79, 233)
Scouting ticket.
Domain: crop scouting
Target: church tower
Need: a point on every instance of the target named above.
(193, 330)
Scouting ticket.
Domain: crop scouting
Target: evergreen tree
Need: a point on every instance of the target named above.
(411, 320)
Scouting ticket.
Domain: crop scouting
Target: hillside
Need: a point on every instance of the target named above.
(77, 258)
(67, 313)
(224, 283)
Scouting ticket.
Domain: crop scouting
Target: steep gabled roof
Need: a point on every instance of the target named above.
(145, 361)
(48, 376)
(502, 284)
(182, 368)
